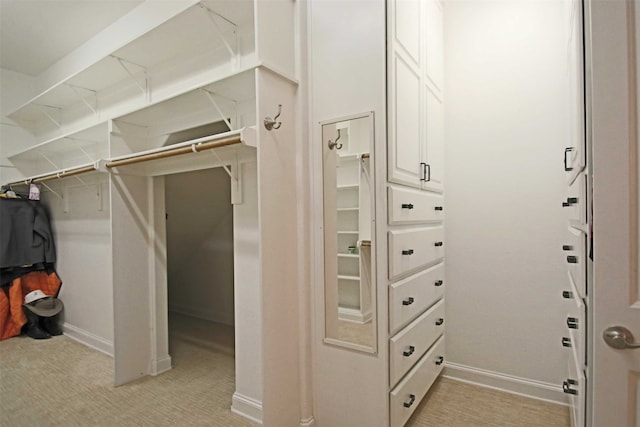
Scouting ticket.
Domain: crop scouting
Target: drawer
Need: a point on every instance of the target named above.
(575, 386)
(406, 347)
(575, 256)
(406, 396)
(575, 203)
(413, 295)
(574, 336)
(414, 249)
(407, 206)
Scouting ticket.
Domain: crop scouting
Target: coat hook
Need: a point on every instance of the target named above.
(270, 123)
(335, 144)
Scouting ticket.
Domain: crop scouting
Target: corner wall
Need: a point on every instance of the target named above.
(505, 120)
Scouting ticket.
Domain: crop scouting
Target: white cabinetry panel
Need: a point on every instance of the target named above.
(407, 28)
(407, 206)
(433, 157)
(434, 44)
(406, 347)
(411, 250)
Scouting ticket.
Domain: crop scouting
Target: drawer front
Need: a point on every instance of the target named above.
(415, 249)
(406, 347)
(575, 386)
(406, 396)
(408, 206)
(574, 336)
(575, 256)
(575, 203)
(413, 295)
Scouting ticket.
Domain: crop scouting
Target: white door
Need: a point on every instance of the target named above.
(615, 378)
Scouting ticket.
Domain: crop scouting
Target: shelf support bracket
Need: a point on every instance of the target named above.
(43, 110)
(217, 107)
(51, 190)
(48, 160)
(145, 88)
(76, 90)
(78, 141)
(233, 50)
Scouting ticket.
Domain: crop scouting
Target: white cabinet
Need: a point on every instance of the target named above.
(415, 106)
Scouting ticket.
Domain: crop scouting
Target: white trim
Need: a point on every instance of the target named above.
(538, 390)
(247, 407)
(161, 366)
(88, 339)
(353, 315)
(309, 422)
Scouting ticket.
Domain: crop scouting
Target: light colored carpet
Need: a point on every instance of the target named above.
(452, 403)
(58, 382)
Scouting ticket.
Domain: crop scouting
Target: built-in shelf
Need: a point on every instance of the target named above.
(348, 209)
(344, 277)
(348, 187)
(341, 255)
(348, 232)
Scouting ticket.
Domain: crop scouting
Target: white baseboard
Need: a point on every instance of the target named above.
(88, 339)
(161, 365)
(510, 384)
(200, 313)
(247, 407)
(353, 315)
(309, 422)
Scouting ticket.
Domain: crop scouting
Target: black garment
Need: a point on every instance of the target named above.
(25, 234)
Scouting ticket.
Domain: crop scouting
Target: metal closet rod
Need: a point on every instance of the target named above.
(193, 148)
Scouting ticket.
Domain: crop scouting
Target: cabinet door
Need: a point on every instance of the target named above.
(433, 152)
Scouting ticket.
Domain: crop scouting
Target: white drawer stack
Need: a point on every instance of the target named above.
(416, 297)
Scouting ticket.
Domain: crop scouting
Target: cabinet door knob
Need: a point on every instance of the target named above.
(412, 398)
(572, 323)
(409, 352)
(439, 360)
(407, 206)
(572, 259)
(438, 283)
(439, 321)
(567, 294)
(437, 244)
(407, 252)
(566, 342)
(566, 386)
(567, 247)
(407, 301)
(567, 150)
(438, 208)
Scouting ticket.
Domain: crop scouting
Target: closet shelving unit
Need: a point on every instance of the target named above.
(353, 230)
(207, 54)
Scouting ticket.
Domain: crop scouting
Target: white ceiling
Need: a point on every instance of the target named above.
(34, 34)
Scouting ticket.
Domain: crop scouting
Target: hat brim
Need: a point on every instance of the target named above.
(45, 307)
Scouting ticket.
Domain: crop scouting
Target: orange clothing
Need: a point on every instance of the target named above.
(12, 317)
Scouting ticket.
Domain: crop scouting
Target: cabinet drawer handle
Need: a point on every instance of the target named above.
(567, 247)
(566, 204)
(409, 352)
(439, 360)
(407, 252)
(438, 208)
(440, 321)
(423, 169)
(566, 342)
(438, 283)
(407, 206)
(427, 172)
(407, 301)
(437, 244)
(572, 200)
(412, 398)
(572, 323)
(567, 294)
(566, 386)
(572, 259)
(566, 166)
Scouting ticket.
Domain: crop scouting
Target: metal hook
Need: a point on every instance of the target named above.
(335, 144)
(270, 123)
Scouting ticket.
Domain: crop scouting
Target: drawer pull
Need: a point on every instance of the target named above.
(567, 294)
(566, 386)
(409, 352)
(567, 247)
(423, 167)
(437, 244)
(407, 206)
(567, 150)
(566, 204)
(439, 360)
(407, 301)
(566, 342)
(438, 208)
(407, 252)
(412, 398)
(572, 259)
(438, 283)
(572, 200)
(572, 323)
(439, 321)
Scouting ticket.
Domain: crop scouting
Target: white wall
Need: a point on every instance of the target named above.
(505, 124)
(200, 244)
